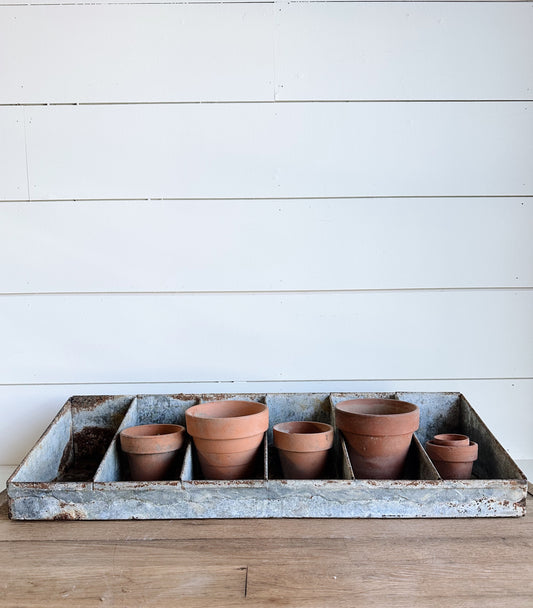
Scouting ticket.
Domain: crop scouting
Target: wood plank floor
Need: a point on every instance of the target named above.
(307, 563)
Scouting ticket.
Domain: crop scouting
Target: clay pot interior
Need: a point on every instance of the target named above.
(304, 449)
(378, 435)
(228, 438)
(154, 451)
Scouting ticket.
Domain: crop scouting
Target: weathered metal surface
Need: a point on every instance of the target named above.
(39, 488)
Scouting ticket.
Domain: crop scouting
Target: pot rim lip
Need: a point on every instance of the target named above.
(451, 437)
(451, 447)
(410, 410)
(327, 428)
(174, 429)
(195, 411)
(452, 453)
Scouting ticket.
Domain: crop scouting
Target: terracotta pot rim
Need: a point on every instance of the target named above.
(407, 409)
(227, 419)
(393, 417)
(287, 440)
(285, 427)
(200, 410)
(140, 430)
(152, 438)
(452, 453)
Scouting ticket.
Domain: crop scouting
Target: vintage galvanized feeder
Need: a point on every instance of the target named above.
(77, 470)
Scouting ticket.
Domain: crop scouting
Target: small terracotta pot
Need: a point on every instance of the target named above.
(451, 439)
(152, 450)
(453, 461)
(227, 436)
(378, 433)
(303, 448)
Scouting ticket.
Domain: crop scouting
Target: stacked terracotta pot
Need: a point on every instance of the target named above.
(453, 455)
(378, 433)
(228, 436)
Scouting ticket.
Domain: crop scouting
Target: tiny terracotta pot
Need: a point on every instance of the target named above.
(303, 448)
(378, 433)
(453, 461)
(227, 436)
(152, 450)
(451, 439)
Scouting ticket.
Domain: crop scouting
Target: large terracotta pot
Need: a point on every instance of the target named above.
(152, 450)
(452, 461)
(227, 436)
(378, 433)
(303, 448)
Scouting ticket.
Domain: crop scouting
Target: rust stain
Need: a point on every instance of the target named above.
(33, 485)
(89, 402)
(260, 398)
(73, 515)
(183, 397)
(92, 441)
(81, 460)
(66, 458)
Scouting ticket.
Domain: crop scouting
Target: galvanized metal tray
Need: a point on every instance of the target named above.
(77, 471)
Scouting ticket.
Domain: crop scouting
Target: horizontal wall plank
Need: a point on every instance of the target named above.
(177, 52)
(504, 405)
(322, 50)
(264, 245)
(13, 175)
(299, 336)
(279, 150)
(382, 50)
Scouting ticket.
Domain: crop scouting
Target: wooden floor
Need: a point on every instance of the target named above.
(219, 563)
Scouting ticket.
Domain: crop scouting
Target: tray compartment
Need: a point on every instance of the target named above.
(53, 480)
(72, 447)
(418, 465)
(451, 413)
(210, 498)
(314, 407)
(192, 470)
(145, 409)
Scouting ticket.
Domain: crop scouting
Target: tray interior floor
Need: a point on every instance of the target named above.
(304, 563)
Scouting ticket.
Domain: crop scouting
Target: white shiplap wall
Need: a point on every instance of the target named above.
(251, 196)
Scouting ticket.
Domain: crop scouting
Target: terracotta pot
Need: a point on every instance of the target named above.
(451, 439)
(227, 436)
(378, 433)
(303, 448)
(453, 461)
(152, 450)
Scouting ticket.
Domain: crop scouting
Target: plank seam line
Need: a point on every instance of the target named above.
(264, 292)
(208, 2)
(245, 581)
(263, 198)
(96, 3)
(248, 102)
(275, 381)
